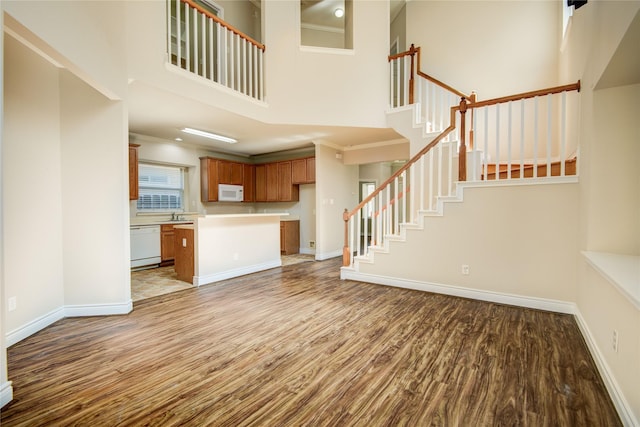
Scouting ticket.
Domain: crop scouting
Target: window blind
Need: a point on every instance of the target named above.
(160, 187)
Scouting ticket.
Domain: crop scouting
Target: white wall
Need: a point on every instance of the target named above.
(6, 390)
(516, 240)
(61, 127)
(94, 189)
(336, 190)
(609, 185)
(346, 99)
(496, 48)
(32, 186)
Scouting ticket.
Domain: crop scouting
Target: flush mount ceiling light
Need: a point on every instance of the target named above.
(209, 135)
(339, 13)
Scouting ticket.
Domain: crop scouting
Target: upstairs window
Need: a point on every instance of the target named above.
(326, 23)
(161, 188)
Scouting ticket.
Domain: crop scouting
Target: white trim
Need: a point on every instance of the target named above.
(34, 326)
(376, 144)
(622, 271)
(53, 316)
(622, 406)
(458, 291)
(228, 274)
(308, 251)
(328, 255)
(6, 393)
(325, 28)
(98, 309)
(327, 50)
(569, 179)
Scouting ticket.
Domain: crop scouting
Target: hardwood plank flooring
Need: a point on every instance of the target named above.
(296, 346)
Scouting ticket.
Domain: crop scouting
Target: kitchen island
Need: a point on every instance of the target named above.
(226, 246)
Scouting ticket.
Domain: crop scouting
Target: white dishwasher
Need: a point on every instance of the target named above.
(145, 245)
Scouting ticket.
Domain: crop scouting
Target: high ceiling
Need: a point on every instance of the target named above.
(161, 114)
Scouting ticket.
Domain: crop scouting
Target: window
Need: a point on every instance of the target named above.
(161, 188)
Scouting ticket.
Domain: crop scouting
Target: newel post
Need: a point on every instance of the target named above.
(346, 255)
(412, 53)
(462, 152)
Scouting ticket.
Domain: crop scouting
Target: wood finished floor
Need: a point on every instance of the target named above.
(295, 346)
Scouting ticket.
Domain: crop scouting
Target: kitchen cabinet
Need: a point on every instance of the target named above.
(133, 171)
(249, 180)
(184, 253)
(287, 192)
(274, 183)
(167, 245)
(289, 237)
(230, 173)
(267, 182)
(209, 179)
(303, 171)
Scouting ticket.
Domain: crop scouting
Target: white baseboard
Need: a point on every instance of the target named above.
(34, 326)
(42, 322)
(216, 277)
(621, 404)
(307, 251)
(328, 255)
(98, 309)
(497, 297)
(6, 393)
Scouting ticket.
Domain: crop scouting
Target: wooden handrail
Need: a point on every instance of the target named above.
(406, 166)
(416, 50)
(526, 95)
(224, 24)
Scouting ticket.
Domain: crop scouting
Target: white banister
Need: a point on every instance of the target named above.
(201, 43)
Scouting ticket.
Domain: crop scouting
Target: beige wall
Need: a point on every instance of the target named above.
(516, 241)
(496, 48)
(346, 100)
(336, 190)
(32, 186)
(65, 166)
(609, 203)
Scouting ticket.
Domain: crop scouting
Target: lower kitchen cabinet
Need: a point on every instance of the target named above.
(167, 245)
(289, 237)
(184, 253)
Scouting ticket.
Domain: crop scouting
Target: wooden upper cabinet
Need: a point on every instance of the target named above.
(249, 179)
(133, 171)
(230, 172)
(303, 171)
(209, 179)
(261, 183)
(287, 191)
(272, 191)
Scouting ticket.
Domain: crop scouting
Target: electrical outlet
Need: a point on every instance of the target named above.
(465, 269)
(13, 303)
(312, 244)
(614, 340)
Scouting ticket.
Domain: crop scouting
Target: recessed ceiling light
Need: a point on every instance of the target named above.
(178, 139)
(209, 135)
(339, 13)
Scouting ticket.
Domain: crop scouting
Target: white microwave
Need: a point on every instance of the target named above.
(230, 193)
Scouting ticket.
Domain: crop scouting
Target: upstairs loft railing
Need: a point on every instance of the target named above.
(519, 137)
(202, 43)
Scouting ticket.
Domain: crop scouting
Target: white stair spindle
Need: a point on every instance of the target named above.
(439, 148)
(396, 212)
(187, 40)
(212, 72)
(404, 197)
(421, 183)
(509, 140)
(549, 108)
(563, 134)
(196, 56)
(351, 240)
(358, 231)
(431, 179)
(522, 104)
(535, 137)
(497, 142)
(486, 142)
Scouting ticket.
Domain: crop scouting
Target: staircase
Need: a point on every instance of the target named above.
(459, 145)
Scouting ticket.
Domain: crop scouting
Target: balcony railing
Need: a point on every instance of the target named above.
(202, 43)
